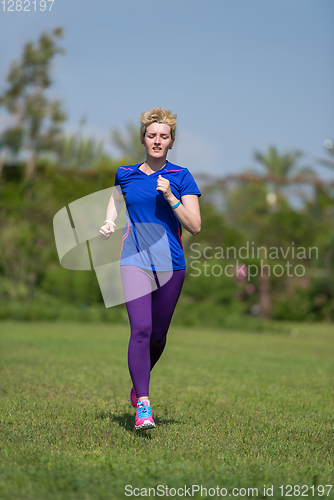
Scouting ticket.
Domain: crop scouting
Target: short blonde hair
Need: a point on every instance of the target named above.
(157, 115)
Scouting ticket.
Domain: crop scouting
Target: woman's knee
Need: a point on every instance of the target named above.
(141, 332)
(159, 335)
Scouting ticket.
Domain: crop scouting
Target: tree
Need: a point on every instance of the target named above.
(129, 144)
(276, 163)
(246, 210)
(78, 151)
(278, 166)
(10, 142)
(36, 118)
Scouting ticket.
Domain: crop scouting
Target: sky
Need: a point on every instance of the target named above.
(240, 75)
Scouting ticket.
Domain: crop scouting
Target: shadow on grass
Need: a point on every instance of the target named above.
(126, 420)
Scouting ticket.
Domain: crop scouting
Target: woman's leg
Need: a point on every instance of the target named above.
(150, 314)
(164, 300)
(137, 290)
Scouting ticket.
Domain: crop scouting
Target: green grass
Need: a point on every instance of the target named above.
(233, 409)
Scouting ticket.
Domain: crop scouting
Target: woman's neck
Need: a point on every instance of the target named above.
(153, 164)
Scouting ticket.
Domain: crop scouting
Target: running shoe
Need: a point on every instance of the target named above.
(143, 418)
(133, 397)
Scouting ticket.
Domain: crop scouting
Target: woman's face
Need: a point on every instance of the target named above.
(158, 140)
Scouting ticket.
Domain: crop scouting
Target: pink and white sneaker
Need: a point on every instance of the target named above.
(133, 397)
(143, 418)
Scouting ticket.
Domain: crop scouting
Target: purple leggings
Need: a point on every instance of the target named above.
(150, 314)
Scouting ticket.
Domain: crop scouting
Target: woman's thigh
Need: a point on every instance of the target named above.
(137, 289)
(151, 306)
(136, 282)
(164, 300)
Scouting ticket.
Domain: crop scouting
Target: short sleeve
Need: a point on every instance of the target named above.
(117, 183)
(188, 185)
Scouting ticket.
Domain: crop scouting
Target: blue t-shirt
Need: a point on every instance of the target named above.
(152, 235)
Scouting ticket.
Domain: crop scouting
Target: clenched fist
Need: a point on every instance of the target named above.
(106, 230)
(164, 186)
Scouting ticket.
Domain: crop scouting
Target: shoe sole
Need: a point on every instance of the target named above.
(145, 426)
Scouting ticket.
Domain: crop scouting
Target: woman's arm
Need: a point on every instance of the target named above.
(113, 210)
(187, 212)
(115, 205)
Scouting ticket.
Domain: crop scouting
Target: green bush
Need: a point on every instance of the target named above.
(74, 287)
(48, 308)
(313, 303)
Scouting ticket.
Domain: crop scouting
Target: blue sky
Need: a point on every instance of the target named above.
(240, 75)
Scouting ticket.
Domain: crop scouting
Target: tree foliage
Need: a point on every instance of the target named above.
(36, 118)
(129, 143)
(29, 265)
(78, 151)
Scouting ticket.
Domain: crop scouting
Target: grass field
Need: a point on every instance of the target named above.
(233, 410)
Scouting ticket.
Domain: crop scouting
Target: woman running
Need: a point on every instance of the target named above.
(160, 198)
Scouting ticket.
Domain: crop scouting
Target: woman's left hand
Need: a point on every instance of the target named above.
(164, 186)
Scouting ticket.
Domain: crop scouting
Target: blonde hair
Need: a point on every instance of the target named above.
(158, 115)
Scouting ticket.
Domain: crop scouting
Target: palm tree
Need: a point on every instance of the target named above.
(129, 144)
(278, 165)
(78, 151)
(279, 169)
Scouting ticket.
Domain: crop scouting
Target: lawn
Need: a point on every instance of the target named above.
(233, 409)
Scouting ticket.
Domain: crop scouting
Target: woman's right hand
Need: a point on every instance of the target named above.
(106, 230)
